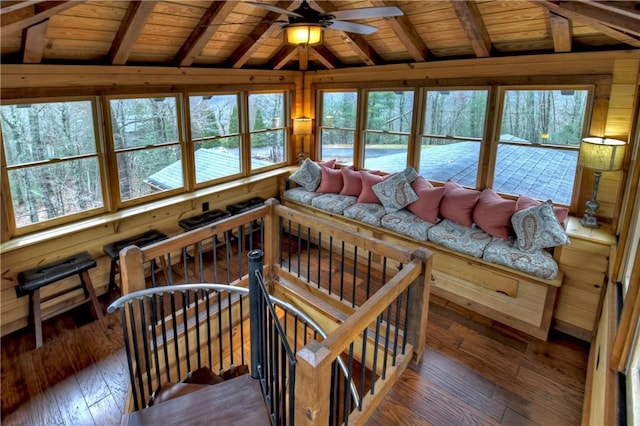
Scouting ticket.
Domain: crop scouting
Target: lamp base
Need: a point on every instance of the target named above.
(301, 157)
(589, 222)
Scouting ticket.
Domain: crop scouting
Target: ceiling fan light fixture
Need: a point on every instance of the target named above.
(303, 34)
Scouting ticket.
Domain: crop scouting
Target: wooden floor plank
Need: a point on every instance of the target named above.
(105, 412)
(70, 400)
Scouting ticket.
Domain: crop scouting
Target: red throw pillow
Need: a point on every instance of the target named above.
(328, 163)
(368, 180)
(331, 181)
(525, 202)
(493, 213)
(458, 203)
(429, 198)
(352, 182)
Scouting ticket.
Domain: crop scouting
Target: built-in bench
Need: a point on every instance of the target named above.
(481, 272)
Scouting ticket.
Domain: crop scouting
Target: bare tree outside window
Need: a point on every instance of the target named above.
(52, 160)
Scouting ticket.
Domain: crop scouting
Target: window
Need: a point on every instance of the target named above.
(453, 128)
(539, 138)
(216, 136)
(267, 134)
(147, 146)
(53, 167)
(338, 126)
(387, 130)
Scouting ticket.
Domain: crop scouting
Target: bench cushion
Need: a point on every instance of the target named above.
(334, 203)
(300, 195)
(406, 223)
(35, 278)
(370, 213)
(471, 241)
(536, 262)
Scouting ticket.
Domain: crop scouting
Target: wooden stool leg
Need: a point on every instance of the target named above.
(37, 315)
(88, 286)
(112, 275)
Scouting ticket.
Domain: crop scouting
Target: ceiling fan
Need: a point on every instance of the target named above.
(305, 24)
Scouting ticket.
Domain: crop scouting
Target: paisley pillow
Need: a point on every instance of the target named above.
(537, 227)
(308, 175)
(395, 192)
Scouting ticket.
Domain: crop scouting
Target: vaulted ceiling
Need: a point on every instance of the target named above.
(237, 34)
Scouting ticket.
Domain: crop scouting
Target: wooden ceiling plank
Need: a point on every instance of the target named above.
(590, 22)
(257, 37)
(471, 21)
(283, 57)
(19, 19)
(325, 57)
(406, 33)
(303, 57)
(130, 29)
(609, 17)
(35, 40)
(358, 44)
(560, 32)
(215, 16)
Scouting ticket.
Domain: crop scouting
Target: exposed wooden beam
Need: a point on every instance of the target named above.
(326, 58)
(607, 16)
(260, 33)
(303, 57)
(560, 32)
(12, 6)
(283, 56)
(358, 44)
(585, 20)
(471, 21)
(24, 17)
(130, 29)
(35, 40)
(215, 15)
(406, 33)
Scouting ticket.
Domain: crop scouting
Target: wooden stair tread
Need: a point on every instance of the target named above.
(237, 401)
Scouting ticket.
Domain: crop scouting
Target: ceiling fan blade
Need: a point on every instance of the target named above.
(277, 9)
(352, 27)
(366, 13)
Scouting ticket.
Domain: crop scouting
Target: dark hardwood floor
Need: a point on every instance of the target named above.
(474, 372)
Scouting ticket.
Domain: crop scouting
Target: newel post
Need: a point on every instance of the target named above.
(313, 385)
(255, 310)
(131, 270)
(419, 306)
(272, 237)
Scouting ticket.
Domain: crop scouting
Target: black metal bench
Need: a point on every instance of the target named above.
(206, 218)
(113, 250)
(32, 280)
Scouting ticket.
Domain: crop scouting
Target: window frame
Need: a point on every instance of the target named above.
(284, 127)
(191, 141)
(99, 154)
(496, 142)
(320, 126)
(112, 152)
(364, 120)
(484, 147)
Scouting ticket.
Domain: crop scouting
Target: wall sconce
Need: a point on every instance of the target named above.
(601, 155)
(302, 127)
(303, 34)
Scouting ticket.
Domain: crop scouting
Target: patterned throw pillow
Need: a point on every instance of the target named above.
(394, 192)
(308, 175)
(537, 227)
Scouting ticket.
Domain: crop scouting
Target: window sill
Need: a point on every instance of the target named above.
(23, 241)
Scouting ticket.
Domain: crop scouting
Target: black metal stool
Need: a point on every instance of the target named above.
(32, 280)
(113, 251)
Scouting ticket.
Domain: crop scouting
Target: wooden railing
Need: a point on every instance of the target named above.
(370, 297)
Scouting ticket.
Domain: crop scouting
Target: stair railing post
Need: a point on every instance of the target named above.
(255, 317)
